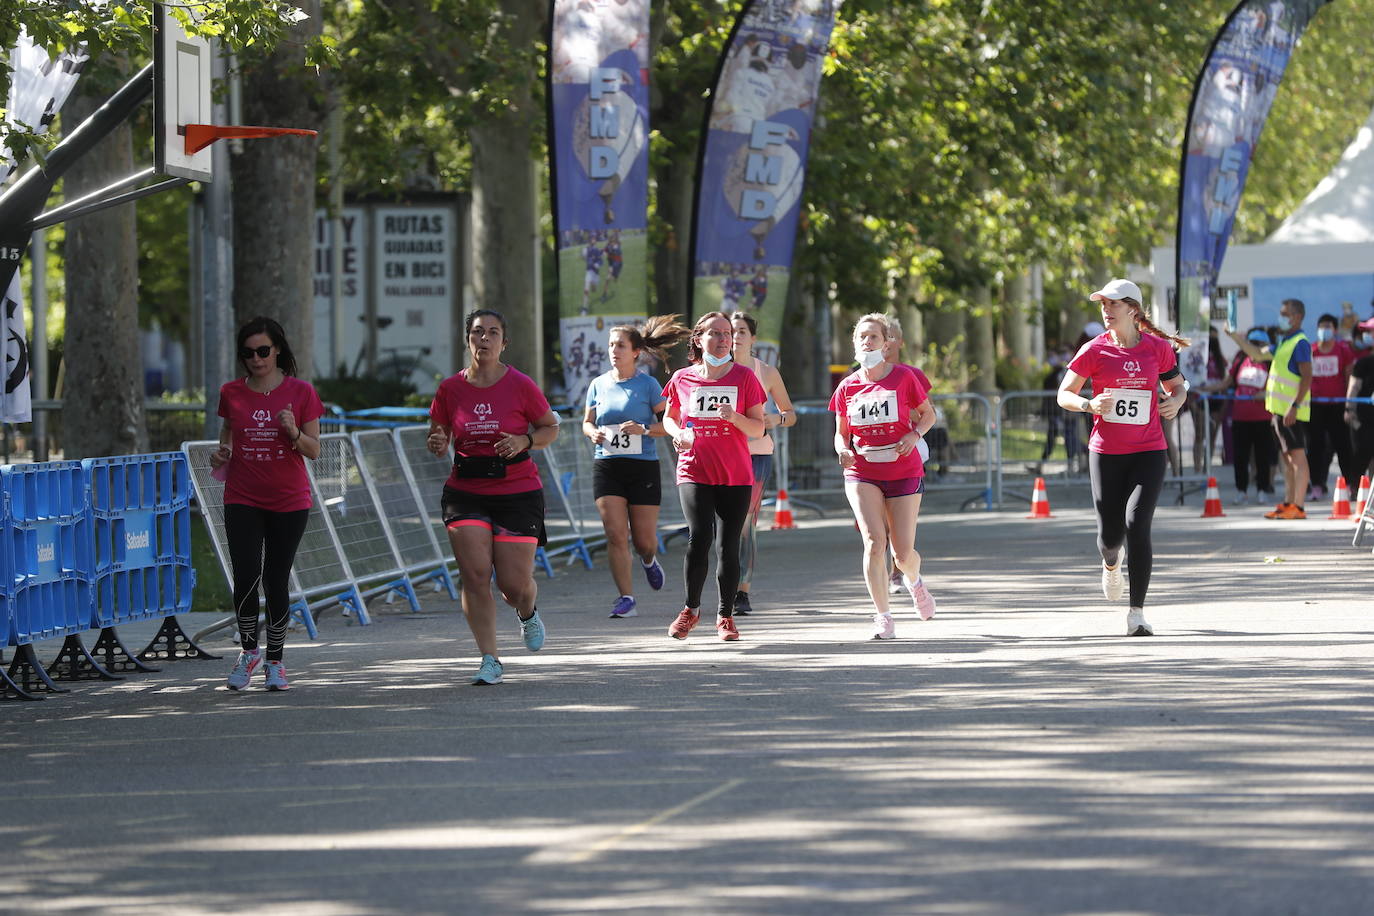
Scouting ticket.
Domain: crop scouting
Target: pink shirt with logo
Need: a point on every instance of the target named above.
(1132, 376)
(1250, 378)
(478, 417)
(264, 471)
(719, 453)
(1328, 369)
(879, 414)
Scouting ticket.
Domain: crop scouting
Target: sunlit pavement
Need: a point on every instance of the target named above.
(1016, 754)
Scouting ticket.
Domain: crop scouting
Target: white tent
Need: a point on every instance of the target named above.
(1340, 208)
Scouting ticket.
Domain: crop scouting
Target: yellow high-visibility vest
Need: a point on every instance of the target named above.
(1282, 388)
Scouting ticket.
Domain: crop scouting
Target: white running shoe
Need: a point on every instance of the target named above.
(1242, 499)
(883, 627)
(895, 585)
(1136, 624)
(1113, 583)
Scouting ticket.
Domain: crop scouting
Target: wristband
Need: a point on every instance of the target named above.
(299, 432)
(531, 438)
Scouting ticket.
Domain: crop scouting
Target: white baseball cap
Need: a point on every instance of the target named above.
(1119, 289)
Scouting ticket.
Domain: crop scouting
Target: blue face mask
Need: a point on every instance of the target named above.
(716, 360)
(1325, 333)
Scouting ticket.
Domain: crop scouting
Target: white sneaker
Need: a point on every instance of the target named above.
(895, 585)
(1136, 625)
(1242, 499)
(1113, 583)
(883, 627)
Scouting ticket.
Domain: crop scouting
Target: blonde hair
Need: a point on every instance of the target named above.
(885, 321)
(1142, 320)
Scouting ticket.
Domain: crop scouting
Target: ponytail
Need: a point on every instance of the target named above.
(656, 335)
(1148, 327)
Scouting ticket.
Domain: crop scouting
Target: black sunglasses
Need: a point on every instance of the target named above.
(246, 353)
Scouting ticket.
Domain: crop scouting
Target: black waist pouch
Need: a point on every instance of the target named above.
(486, 467)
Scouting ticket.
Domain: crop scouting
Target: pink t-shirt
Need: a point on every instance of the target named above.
(1328, 369)
(719, 454)
(1250, 378)
(921, 379)
(264, 471)
(478, 417)
(1132, 375)
(879, 414)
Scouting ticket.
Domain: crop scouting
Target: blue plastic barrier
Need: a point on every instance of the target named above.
(140, 509)
(46, 578)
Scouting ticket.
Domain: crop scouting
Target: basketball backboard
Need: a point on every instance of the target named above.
(181, 96)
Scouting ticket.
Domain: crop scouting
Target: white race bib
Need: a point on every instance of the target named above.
(1325, 366)
(1130, 406)
(874, 408)
(707, 398)
(618, 443)
(1252, 376)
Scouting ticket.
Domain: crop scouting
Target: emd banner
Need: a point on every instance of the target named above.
(753, 164)
(599, 152)
(1231, 101)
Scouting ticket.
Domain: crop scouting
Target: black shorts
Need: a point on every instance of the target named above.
(1290, 437)
(632, 479)
(513, 517)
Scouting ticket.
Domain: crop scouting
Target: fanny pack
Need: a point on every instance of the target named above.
(488, 467)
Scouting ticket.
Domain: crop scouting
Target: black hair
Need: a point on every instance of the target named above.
(656, 335)
(747, 319)
(1328, 318)
(286, 360)
(483, 313)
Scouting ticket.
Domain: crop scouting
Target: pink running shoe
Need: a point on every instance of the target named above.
(923, 599)
(680, 627)
(883, 627)
(726, 629)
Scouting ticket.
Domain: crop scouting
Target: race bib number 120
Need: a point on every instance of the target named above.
(708, 398)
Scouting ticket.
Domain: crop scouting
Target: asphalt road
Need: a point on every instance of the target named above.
(1015, 755)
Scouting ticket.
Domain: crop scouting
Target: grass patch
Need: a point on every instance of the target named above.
(212, 591)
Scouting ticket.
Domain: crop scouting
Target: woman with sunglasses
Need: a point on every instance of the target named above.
(714, 406)
(1127, 364)
(271, 425)
(493, 501)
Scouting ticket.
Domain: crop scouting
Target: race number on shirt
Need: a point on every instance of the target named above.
(1252, 376)
(1130, 406)
(708, 398)
(618, 443)
(872, 409)
(1325, 366)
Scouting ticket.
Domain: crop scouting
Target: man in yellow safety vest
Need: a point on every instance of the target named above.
(1288, 397)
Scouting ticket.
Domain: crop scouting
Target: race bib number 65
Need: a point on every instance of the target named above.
(707, 399)
(1130, 406)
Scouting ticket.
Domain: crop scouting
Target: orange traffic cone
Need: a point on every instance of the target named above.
(1340, 503)
(782, 517)
(1212, 507)
(1040, 501)
(1362, 498)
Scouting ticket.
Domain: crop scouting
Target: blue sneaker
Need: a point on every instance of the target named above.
(653, 574)
(489, 673)
(624, 607)
(532, 631)
(242, 672)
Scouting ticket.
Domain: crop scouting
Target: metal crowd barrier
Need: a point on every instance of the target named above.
(92, 545)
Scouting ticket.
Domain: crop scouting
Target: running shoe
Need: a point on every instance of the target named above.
(1242, 499)
(1278, 511)
(742, 606)
(624, 607)
(1113, 583)
(896, 585)
(532, 631)
(679, 628)
(725, 627)
(653, 574)
(1136, 625)
(276, 676)
(922, 598)
(883, 627)
(243, 669)
(489, 673)
(1293, 511)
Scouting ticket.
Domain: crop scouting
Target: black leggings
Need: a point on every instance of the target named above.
(1328, 434)
(1253, 437)
(262, 547)
(702, 504)
(1125, 491)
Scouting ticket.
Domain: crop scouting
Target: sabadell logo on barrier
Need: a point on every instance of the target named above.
(138, 541)
(47, 553)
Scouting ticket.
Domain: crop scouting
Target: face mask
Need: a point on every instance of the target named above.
(1325, 333)
(716, 360)
(868, 358)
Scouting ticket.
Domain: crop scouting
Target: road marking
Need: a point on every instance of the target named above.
(614, 840)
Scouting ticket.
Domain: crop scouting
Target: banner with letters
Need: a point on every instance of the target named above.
(1231, 101)
(599, 163)
(38, 87)
(753, 163)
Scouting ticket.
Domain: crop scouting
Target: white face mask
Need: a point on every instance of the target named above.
(716, 360)
(868, 359)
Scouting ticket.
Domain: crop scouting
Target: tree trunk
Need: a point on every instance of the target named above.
(672, 271)
(274, 191)
(799, 357)
(982, 343)
(103, 386)
(946, 328)
(1016, 327)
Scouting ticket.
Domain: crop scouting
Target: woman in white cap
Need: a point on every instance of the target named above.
(1127, 365)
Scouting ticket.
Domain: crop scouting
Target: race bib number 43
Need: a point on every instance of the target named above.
(1130, 406)
(707, 399)
(618, 443)
(873, 409)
